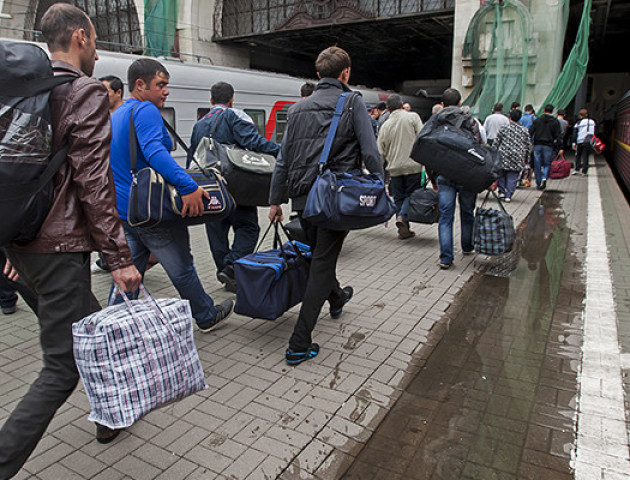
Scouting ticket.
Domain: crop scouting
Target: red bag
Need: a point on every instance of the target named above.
(560, 167)
(597, 144)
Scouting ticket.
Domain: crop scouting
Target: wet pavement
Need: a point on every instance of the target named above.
(497, 396)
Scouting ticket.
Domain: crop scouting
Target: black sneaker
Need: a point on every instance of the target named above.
(543, 184)
(336, 312)
(9, 310)
(226, 277)
(224, 310)
(294, 358)
(445, 266)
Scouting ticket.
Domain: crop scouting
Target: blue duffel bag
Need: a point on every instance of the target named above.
(271, 282)
(346, 200)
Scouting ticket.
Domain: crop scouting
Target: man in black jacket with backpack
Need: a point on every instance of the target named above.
(296, 170)
(546, 134)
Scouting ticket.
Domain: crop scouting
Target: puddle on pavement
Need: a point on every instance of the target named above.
(496, 397)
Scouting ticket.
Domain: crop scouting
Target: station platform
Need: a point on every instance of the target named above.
(511, 367)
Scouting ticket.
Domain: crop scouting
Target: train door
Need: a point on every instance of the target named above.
(277, 121)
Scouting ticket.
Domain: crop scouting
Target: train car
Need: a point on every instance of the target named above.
(264, 96)
(621, 152)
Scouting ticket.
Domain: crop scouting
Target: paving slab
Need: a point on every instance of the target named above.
(260, 418)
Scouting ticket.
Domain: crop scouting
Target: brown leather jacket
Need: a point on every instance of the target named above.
(83, 216)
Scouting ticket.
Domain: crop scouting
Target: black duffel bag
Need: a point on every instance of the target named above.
(451, 151)
(248, 174)
(423, 206)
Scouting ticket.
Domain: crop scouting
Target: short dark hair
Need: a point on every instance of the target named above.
(381, 106)
(529, 107)
(307, 89)
(515, 105)
(548, 108)
(498, 107)
(515, 114)
(221, 93)
(394, 102)
(331, 62)
(562, 112)
(58, 24)
(115, 83)
(144, 69)
(451, 97)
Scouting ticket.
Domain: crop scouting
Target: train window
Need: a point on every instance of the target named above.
(168, 114)
(281, 123)
(258, 116)
(202, 112)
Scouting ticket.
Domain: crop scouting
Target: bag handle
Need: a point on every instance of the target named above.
(332, 130)
(277, 242)
(496, 197)
(560, 156)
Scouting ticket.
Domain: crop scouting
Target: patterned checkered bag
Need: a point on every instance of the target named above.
(493, 232)
(136, 356)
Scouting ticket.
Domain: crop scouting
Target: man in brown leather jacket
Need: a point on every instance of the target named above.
(83, 218)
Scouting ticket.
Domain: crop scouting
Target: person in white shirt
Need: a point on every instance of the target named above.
(583, 133)
(494, 122)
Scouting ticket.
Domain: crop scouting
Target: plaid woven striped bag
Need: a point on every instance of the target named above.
(493, 231)
(135, 357)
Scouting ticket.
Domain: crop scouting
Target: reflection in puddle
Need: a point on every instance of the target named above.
(496, 397)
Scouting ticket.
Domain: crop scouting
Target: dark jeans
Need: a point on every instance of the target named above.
(543, 154)
(322, 281)
(507, 182)
(8, 297)
(61, 282)
(448, 192)
(171, 246)
(581, 157)
(401, 189)
(244, 221)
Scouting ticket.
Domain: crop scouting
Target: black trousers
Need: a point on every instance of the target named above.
(322, 281)
(61, 282)
(581, 157)
(8, 297)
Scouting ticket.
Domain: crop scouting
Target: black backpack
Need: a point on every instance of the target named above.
(27, 165)
(423, 206)
(451, 151)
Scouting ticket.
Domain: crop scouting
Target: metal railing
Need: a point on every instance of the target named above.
(241, 18)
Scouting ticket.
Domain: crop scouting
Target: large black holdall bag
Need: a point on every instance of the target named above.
(451, 151)
(248, 174)
(27, 165)
(423, 206)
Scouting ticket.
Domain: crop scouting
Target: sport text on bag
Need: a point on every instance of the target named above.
(27, 165)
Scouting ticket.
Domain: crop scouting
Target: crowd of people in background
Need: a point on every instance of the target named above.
(57, 281)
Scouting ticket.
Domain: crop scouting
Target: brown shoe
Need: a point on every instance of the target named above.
(105, 434)
(403, 229)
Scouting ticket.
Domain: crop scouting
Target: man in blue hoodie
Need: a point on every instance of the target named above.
(148, 80)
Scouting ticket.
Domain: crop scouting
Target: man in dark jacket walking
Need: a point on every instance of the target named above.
(82, 218)
(231, 127)
(546, 133)
(448, 190)
(296, 170)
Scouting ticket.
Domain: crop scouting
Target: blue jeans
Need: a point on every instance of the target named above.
(244, 221)
(447, 193)
(507, 182)
(171, 247)
(401, 188)
(542, 162)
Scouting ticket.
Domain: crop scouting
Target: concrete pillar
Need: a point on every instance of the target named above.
(461, 78)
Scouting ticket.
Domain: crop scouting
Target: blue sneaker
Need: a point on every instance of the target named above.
(295, 358)
(336, 312)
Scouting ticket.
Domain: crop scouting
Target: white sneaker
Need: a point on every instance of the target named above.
(575, 172)
(507, 200)
(94, 268)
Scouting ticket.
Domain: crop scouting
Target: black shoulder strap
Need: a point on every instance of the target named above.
(133, 144)
(178, 139)
(33, 87)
